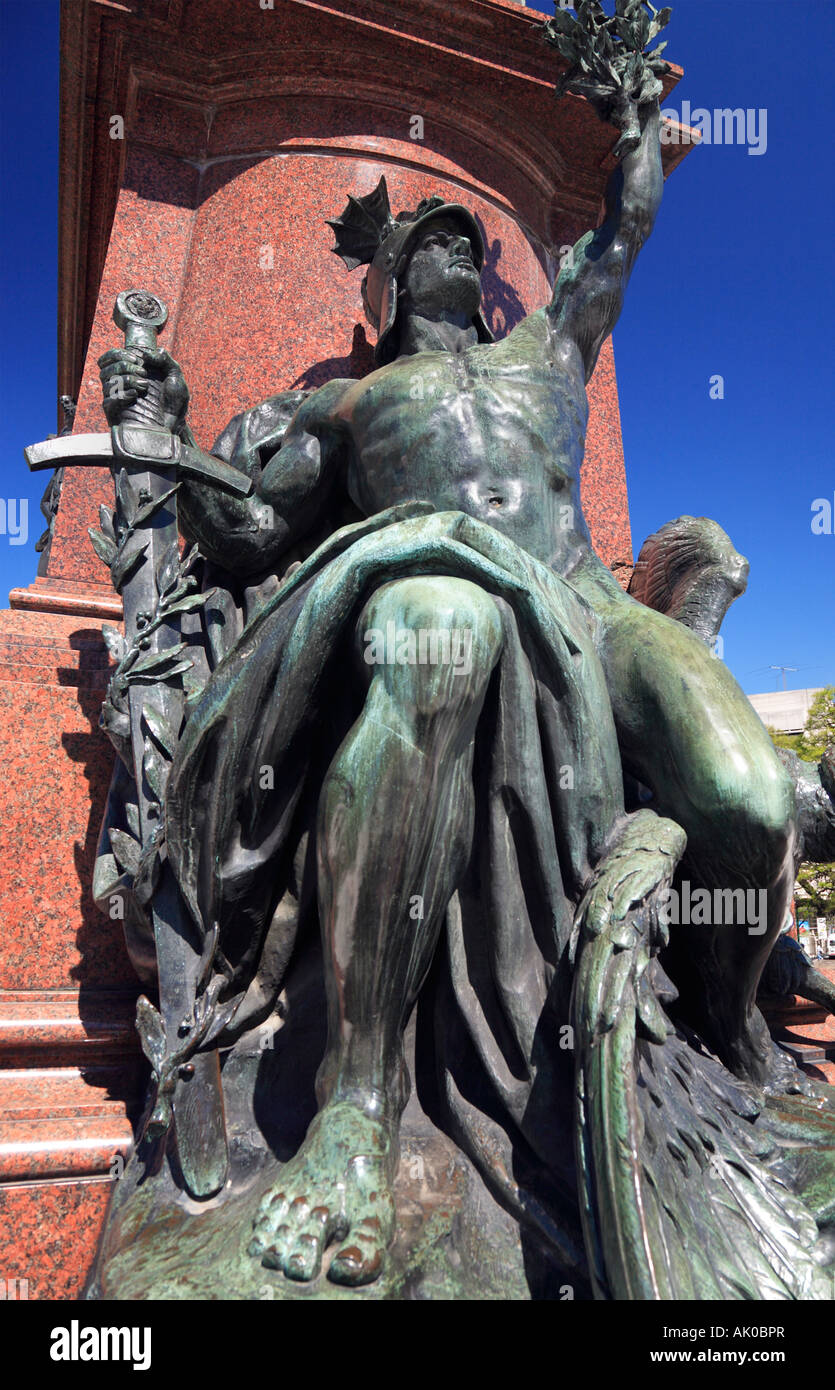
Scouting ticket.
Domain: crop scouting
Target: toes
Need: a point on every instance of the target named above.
(361, 1260)
(271, 1218)
(295, 1244)
(304, 1260)
(271, 1213)
(273, 1207)
(295, 1226)
(272, 1247)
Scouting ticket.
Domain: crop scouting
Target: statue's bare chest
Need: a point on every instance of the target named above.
(464, 412)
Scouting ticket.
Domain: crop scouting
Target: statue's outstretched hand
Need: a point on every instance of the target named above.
(126, 375)
(607, 62)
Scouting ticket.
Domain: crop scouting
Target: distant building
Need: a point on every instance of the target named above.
(786, 711)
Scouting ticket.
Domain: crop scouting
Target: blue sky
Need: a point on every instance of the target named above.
(736, 281)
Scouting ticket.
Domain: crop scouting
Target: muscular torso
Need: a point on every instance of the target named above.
(497, 431)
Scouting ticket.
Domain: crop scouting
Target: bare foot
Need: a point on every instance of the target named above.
(754, 1057)
(337, 1188)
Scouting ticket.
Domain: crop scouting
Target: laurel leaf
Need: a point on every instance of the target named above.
(104, 548)
(127, 560)
(152, 661)
(155, 768)
(160, 729)
(147, 510)
(168, 570)
(187, 604)
(126, 850)
(107, 522)
(151, 1032)
(126, 498)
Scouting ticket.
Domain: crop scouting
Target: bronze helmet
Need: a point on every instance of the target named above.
(368, 234)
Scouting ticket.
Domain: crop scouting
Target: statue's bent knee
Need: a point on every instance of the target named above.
(775, 813)
(439, 636)
(761, 800)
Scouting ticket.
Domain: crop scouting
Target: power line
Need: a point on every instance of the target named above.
(784, 669)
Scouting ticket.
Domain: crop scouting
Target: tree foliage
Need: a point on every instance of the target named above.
(819, 730)
(815, 891)
(815, 886)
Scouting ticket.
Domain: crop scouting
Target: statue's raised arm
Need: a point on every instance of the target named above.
(609, 68)
(589, 292)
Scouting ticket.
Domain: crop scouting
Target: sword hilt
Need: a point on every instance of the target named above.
(141, 315)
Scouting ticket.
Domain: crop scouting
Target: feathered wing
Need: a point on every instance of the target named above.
(690, 571)
(678, 1198)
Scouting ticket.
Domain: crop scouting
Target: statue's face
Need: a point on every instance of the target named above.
(441, 275)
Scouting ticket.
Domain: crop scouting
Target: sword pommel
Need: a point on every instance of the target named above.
(140, 315)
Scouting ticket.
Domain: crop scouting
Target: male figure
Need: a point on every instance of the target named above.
(494, 431)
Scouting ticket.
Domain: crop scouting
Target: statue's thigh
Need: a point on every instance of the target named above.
(687, 728)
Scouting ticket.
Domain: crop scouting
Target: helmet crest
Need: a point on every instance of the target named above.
(363, 227)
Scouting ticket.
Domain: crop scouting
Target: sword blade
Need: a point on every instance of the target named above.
(96, 451)
(93, 449)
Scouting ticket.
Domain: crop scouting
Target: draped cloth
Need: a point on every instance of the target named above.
(243, 793)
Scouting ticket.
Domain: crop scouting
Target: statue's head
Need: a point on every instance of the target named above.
(441, 275)
(431, 258)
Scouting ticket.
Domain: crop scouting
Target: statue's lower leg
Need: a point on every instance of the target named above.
(729, 957)
(395, 831)
(688, 732)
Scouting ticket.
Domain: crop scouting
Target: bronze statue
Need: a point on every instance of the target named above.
(422, 716)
